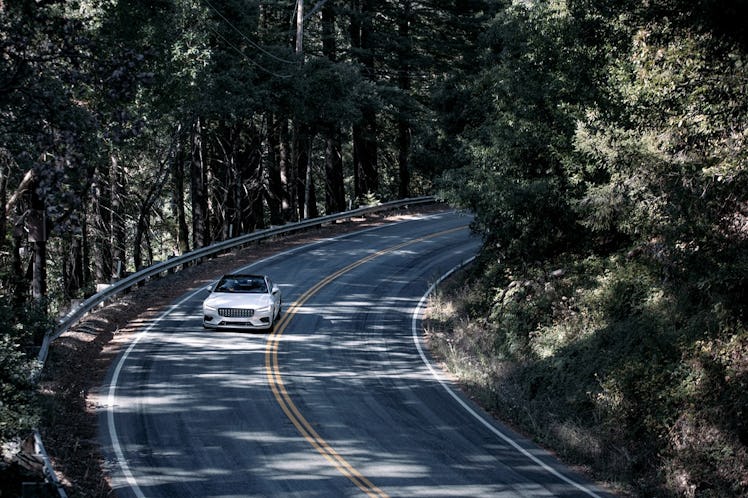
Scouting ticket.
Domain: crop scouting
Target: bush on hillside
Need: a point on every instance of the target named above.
(601, 361)
(20, 336)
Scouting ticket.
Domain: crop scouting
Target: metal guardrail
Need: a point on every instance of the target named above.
(47, 468)
(143, 275)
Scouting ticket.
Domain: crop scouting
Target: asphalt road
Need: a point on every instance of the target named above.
(339, 400)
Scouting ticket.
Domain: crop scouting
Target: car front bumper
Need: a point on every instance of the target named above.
(259, 320)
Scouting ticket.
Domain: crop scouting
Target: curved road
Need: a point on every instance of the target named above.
(339, 400)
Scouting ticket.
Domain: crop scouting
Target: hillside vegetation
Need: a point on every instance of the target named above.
(607, 313)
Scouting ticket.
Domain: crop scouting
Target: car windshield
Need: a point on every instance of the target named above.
(254, 285)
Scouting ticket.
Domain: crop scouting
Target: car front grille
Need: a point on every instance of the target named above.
(235, 312)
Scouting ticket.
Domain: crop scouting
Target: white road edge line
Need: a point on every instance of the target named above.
(417, 314)
(112, 391)
(111, 397)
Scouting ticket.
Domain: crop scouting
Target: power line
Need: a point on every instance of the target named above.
(315, 9)
(250, 41)
(245, 56)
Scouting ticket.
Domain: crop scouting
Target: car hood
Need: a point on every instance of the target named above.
(237, 300)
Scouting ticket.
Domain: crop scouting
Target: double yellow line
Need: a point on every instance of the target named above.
(272, 368)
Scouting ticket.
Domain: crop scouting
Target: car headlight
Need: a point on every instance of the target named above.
(209, 307)
(263, 309)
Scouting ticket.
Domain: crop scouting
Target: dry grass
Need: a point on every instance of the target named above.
(600, 367)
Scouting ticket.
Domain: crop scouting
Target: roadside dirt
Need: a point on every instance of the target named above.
(79, 360)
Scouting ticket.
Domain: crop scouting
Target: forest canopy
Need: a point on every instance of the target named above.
(603, 142)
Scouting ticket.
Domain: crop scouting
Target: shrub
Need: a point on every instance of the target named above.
(607, 365)
(19, 411)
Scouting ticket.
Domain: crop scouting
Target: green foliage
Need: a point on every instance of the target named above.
(708, 442)
(332, 94)
(530, 93)
(369, 199)
(611, 144)
(670, 174)
(19, 408)
(19, 411)
(596, 128)
(600, 361)
(42, 124)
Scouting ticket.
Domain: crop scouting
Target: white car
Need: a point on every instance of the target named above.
(242, 301)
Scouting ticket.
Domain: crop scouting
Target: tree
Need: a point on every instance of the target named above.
(45, 129)
(534, 89)
(334, 176)
(667, 162)
(365, 168)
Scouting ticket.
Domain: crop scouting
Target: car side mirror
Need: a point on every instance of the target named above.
(209, 288)
(276, 290)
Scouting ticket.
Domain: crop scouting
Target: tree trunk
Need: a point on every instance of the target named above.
(18, 282)
(329, 48)
(73, 274)
(287, 172)
(365, 155)
(310, 195)
(177, 194)
(5, 162)
(274, 190)
(255, 212)
(200, 224)
(101, 226)
(403, 80)
(334, 177)
(86, 252)
(403, 154)
(37, 226)
(366, 178)
(119, 236)
(301, 161)
(39, 277)
(141, 229)
(223, 208)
